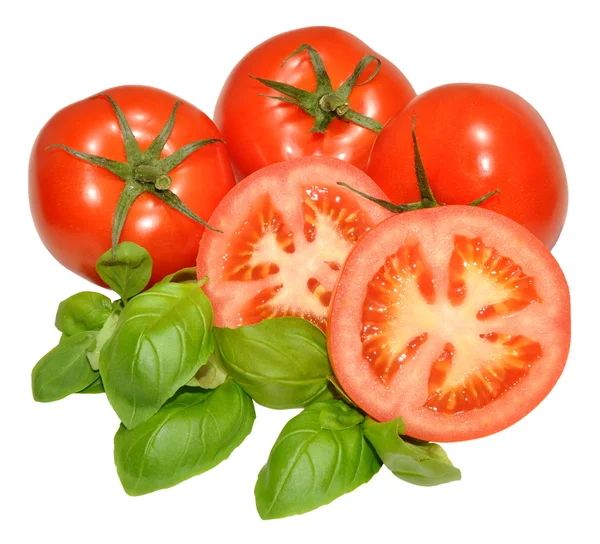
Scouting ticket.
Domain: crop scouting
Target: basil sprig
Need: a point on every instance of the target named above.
(280, 363)
(189, 435)
(320, 455)
(183, 390)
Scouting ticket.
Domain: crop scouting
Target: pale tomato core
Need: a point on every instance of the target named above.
(287, 231)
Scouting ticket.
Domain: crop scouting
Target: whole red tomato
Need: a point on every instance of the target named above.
(475, 139)
(262, 130)
(73, 198)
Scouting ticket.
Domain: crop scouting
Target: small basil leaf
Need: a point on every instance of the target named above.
(338, 416)
(310, 466)
(280, 363)
(64, 369)
(95, 387)
(86, 311)
(191, 434)
(104, 335)
(185, 275)
(128, 272)
(415, 461)
(210, 375)
(161, 339)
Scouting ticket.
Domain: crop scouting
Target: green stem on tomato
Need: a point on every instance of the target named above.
(427, 198)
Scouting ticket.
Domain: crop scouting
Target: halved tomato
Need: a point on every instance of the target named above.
(455, 318)
(287, 230)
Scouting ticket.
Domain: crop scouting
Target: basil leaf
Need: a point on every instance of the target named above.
(85, 311)
(280, 363)
(104, 336)
(185, 275)
(128, 272)
(191, 434)
(415, 461)
(310, 466)
(161, 339)
(64, 369)
(339, 416)
(210, 375)
(95, 387)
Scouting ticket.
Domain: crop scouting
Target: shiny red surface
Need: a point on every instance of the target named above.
(260, 131)
(474, 139)
(72, 202)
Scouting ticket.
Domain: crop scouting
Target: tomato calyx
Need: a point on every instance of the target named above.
(427, 198)
(143, 171)
(325, 104)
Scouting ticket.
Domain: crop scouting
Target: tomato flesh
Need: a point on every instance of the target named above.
(287, 231)
(455, 318)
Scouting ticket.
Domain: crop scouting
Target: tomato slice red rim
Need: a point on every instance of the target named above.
(455, 318)
(287, 231)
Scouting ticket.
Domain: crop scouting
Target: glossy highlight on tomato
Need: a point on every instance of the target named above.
(474, 139)
(73, 201)
(260, 131)
(455, 318)
(286, 232)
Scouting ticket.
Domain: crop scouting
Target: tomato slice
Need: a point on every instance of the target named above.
(287, 230)
(455, 318)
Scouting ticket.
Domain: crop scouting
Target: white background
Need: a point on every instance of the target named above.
(535, 482)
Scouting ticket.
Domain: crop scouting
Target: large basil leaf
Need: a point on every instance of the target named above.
(128, 271)
(64, 369)
(311, 464)
(280, 363)
(85, 311)
(163, 336)
(415, 461)
(192, 433)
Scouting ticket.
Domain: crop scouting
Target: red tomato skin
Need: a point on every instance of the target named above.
(261, 131)
(473, 139)
(72, 202)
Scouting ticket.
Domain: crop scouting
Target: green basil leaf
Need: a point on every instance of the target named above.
(338, 416)
(210, 375)
(415, 461)
(185, 275)
(86, 311)
(95, 387)
(64, 369)
(280, 363)
(104, 336)
(161, 339)
(310, 466)
(191, 434)
(128, 272)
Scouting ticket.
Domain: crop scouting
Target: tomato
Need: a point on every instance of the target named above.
(455, 318)
(475, 139)
(73, 201)
(286, 232)
(260, 130)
